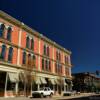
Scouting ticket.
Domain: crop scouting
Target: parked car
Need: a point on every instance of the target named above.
(43, 92)
(69, 93)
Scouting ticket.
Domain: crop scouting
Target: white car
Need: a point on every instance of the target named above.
(69, 93)
(43, 92)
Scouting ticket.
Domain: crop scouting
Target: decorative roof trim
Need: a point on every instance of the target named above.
(30, 30)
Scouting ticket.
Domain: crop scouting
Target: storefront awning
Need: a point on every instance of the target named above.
(43, 80)
(64, 82)
(52, 81)
(67, 81)
(22, 77)
(37, 80)
(56, 81)
(13, 77)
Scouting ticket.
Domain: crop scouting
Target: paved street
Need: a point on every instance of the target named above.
(77, 97)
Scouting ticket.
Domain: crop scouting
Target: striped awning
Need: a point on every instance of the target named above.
(21, 77)
(43, 80)
(52, 81)
(64, 82)
(13, 77)
(38, 80)
(57, 81)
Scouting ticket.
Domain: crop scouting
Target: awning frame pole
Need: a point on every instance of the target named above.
(6, 84)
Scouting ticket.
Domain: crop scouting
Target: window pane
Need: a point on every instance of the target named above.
(3, 52)
(32, 43)
(34, 61)
(2, 27)
(24, 57)
(47, 51)
(10, 54)
(43, 64)
(9, 33)
(46, 64)
(49, 66)
(44, 49)
(27, 42)
(29, 59)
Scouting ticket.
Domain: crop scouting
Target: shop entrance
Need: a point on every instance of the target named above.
(2, 83)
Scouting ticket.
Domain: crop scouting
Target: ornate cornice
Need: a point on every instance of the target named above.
(14, 21)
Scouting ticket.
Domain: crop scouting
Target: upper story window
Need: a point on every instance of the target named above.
(24, 58)
(3, 52)
(43, 65)
(10, 54)
(2, 28)
(29, 59)
(9, 31)
(34, 60)
(66, 59)
(49, 65)
(58, 68)
(27, 42)
(58, 55)
(46, 50)
(66, 71)
(46, 64)
(32, 43)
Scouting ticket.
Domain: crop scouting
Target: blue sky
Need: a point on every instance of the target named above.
(74, 24)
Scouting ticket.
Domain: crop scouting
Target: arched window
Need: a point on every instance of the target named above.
(24, 58)
(3, 52)
(27, 42)
(10, 54)
(2, 27)
(32, 43)
(9, 33)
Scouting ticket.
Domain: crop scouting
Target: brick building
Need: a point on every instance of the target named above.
(86, 82)
(29, 60)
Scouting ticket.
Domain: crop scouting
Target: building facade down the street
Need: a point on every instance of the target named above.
(30, 61)
(86, 82)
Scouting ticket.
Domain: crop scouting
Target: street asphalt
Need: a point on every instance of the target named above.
(74, 97)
